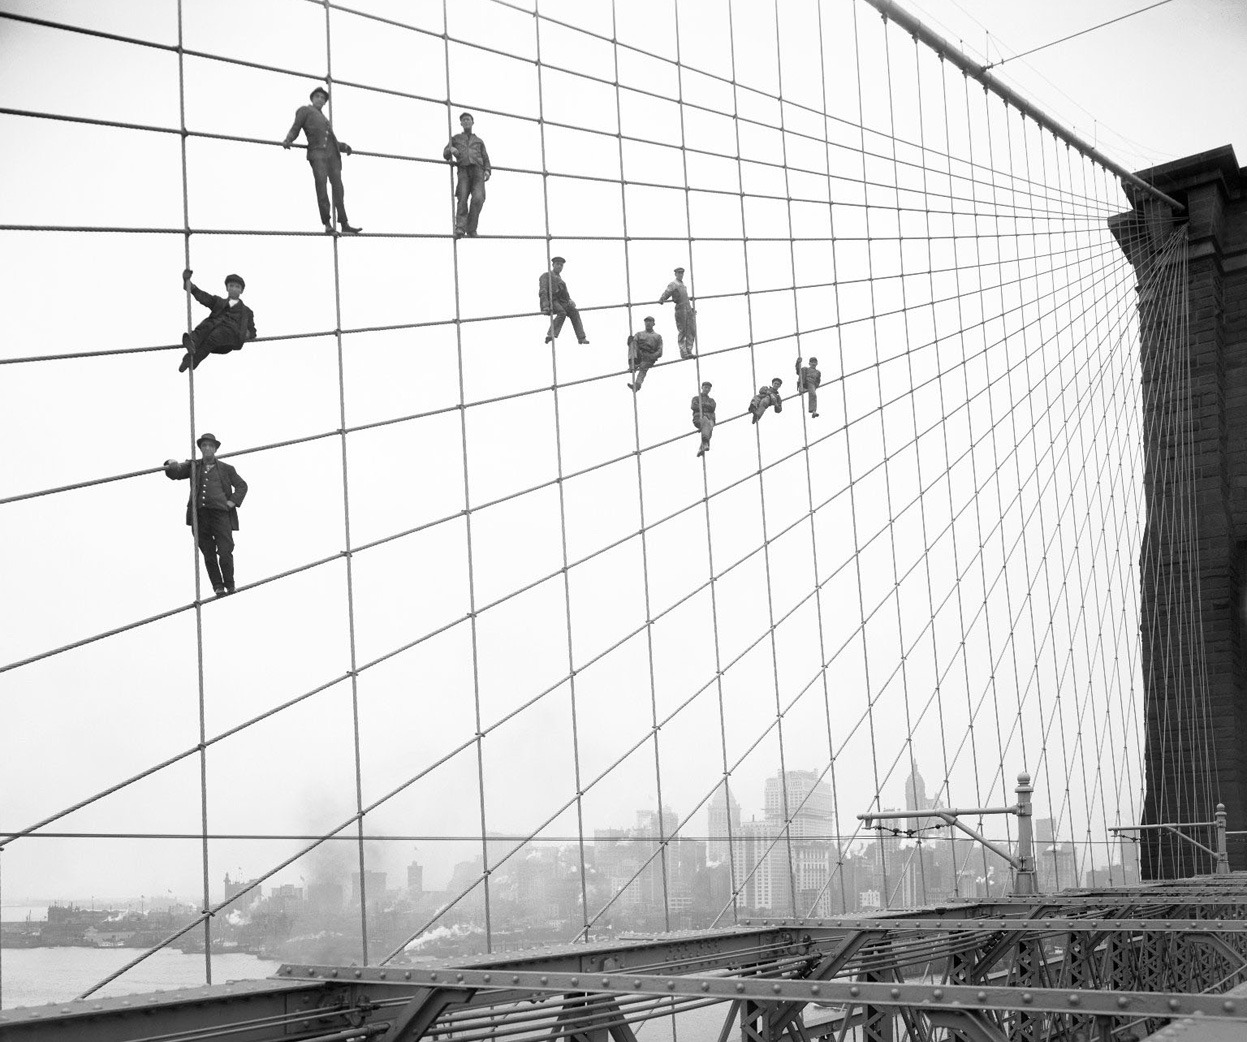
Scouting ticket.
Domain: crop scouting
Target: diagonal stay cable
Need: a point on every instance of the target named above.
(439, 630)
(324, 560)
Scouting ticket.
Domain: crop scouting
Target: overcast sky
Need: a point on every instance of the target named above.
(975, 460)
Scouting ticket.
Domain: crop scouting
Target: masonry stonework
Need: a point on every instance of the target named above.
(1194, 558)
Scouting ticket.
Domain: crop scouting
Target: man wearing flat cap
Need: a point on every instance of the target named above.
(468, 153)
(324, 154)
(768, 395)
(217, 492)
(703, 417)
(555, 302)
(644, 349)
(229, 325)
(685, 316)
(808, 380)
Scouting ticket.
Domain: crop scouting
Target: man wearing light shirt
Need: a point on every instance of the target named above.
(468, 153)
(685, 315)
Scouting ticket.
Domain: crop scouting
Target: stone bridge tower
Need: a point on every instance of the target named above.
(1193, 327)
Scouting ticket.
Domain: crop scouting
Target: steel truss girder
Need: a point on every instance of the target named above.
(1051, 925)
(1078, 965)
(837, 992)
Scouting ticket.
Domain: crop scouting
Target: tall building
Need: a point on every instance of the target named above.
(800, 817)
(761, 869)
(724, 814)
(916, 799)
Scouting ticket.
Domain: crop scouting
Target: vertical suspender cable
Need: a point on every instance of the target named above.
(976, 238)
(766, 549)
(349, 556)
(809, 478)
(887, 472)
(452, 173)
(1099, 649)
(1082, 691)
(848, 455)
(640, 484)
(558, 448)
(705, 485)
(196, 473)
(922, 503)
(1062, 597)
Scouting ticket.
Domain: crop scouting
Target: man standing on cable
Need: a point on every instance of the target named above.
(217, 492)
(229, 325)
(554, 300)
(685, 316)
(468, 153)
(768, 395)
(324, 153)
(808, 379)
(644, 349)
(703, 417)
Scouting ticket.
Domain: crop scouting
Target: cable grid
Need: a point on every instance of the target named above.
(940, 573)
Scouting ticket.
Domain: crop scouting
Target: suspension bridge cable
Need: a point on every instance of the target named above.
(659, 798)
(1078, 268)
(975, 710)
(193, 517)
(439, 630)
(255, 883)
(809, 488)
(1074, 36)
(862, 719)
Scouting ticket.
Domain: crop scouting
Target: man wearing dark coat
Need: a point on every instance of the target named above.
(644, 349)
(703, 417)
(324, 155)
(808, 380)
(229, 325)
(768, 395)
(554, 300)
(217, 492)
(468, 153)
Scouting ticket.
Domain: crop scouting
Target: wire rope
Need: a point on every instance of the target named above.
(1061, 354)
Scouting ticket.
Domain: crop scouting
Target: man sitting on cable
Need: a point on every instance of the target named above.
(229, 325)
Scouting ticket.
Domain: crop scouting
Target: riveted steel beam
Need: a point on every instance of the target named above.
(1011, 924)
(760, 989)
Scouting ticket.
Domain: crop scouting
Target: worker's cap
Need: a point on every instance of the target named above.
(813, 361)
(776, 382)
(318, 90)
(556, 260)
(235, 278)
(205, 438)
(679, 271)
(648, 318)
(467, 115)
(707, 383)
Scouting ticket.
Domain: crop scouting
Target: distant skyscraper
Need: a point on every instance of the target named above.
(808, 803)
(803, 803)
(724, 823)
(916, 798)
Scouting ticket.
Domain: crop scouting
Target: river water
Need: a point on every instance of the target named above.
(33, 976)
